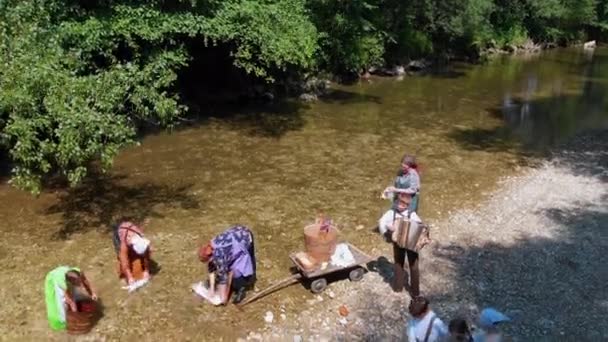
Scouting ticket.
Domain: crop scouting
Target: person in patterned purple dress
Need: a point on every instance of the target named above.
(231, 261)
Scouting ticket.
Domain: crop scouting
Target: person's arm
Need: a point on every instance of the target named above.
(410, 332)
(71, 304)
(212, 283)
(222, 273)
(386, 221)
(386, 193)
(224, 289)
(147, 263)
(440, 328)
(124, 259)
(88, 286)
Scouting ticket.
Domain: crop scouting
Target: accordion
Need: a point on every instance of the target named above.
(406, 233)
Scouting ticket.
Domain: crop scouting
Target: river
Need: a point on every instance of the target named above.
(275, 168)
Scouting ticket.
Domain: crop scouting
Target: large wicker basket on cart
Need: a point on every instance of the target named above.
(320, 242)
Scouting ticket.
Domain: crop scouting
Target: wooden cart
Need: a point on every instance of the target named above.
(317, 276)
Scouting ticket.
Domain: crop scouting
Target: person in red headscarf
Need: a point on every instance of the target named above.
(231, 262)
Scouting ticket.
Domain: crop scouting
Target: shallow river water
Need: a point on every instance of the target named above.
(274, 169)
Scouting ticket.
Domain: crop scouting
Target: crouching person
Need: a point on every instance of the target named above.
(64, 288)
(231, 263)
(133, 252)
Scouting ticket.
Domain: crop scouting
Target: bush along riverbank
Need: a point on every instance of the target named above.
(117, 66)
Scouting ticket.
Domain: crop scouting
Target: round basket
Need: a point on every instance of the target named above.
(320, 245)
(82, 321)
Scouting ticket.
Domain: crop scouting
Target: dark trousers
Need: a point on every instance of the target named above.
(399, 255)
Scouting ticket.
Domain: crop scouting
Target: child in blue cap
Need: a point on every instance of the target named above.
(489, 319)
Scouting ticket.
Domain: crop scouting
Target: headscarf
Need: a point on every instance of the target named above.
(205, 252)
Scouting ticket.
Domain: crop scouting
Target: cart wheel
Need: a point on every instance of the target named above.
(318, 285)
(356, 274)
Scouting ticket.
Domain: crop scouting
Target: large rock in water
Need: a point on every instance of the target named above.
(308, 97)
(417, 65)
(590, 45)
(511, 48)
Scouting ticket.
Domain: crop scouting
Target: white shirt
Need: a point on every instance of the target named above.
(416, 329)
(386, 221)
(60, 297)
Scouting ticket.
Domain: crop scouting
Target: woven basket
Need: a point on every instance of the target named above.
(320, 245)
(82, 321)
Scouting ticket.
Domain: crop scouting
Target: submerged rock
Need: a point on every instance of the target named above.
(417, 65)
(269, 317)
(590, 45)
(308, 97)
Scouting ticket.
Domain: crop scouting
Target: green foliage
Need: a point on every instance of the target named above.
(477, 27)
(268, 34)
(350, 37)
(79, 78)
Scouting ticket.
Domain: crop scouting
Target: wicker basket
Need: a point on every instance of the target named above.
(320, 245)
(82, 321)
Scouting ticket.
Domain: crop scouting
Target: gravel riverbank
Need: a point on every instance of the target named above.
(535, 250)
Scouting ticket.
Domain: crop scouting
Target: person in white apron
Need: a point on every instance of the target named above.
(388, 224)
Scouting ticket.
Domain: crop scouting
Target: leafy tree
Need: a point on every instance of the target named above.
(350, 38)
(79, 78)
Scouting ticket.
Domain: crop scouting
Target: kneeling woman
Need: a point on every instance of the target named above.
(64, 287)
(231, 261)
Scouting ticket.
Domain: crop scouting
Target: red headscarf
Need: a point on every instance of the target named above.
(205, 252)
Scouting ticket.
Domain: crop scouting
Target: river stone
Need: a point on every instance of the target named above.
(269, 317)
(308, 97)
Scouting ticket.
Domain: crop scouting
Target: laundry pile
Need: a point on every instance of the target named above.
(342, 257)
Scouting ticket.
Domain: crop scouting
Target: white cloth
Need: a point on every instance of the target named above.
(386, 221)
(342, 257)
(136, 285)
(140, 244)
(203, 291)
(60, 296)
(416, 329)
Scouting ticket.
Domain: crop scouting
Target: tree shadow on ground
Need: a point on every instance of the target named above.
(533, 126)
(539, 281)
(551, 285)
(271, 120)
(344, 97)
(5, 166)
(383, 267)
(491, 140)
(586, 155)
(446, 71)
(103, 198)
